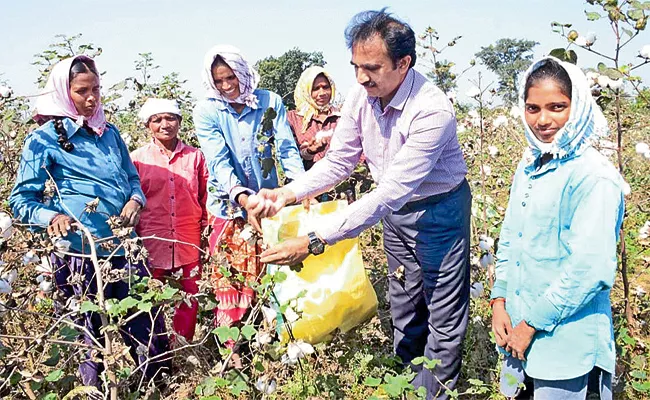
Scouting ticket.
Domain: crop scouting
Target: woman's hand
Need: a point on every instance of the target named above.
(131, 213)
(501, 324)
(520, 339)
(313, 146)
(59, 226)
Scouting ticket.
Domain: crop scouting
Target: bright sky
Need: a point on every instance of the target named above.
(178, 33)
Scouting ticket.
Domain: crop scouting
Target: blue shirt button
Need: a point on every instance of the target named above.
(517, 263)
(523, 203)
(517, 292)
(520, 234)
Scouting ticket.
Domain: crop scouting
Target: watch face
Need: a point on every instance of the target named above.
(319, 248)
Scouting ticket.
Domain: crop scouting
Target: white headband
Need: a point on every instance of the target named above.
(158, 106)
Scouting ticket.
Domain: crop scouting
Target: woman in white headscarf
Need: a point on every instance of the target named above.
(240, 157)
(556, 262)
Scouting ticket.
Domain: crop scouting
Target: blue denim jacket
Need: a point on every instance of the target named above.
(557, 261)
(232, 150)
(98, 167)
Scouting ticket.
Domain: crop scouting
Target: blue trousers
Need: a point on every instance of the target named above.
(136, 333)
(597, 381)
(430, 238)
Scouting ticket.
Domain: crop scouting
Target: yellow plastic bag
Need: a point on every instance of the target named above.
(338, 294)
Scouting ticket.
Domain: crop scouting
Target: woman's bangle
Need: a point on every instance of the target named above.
(498, 299)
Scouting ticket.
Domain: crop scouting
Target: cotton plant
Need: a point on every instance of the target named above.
(296, 351)
(6, 227)
(645, 52)
(500, 121)
(476, 290)
(493, 151)
(5, 92)
(643, 149)
(266, 385)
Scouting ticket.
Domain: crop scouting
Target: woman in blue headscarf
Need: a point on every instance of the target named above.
(556, 261)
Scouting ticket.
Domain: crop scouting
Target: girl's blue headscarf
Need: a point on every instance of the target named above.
(586, 121)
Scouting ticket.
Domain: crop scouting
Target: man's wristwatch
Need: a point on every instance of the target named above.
(316, 246)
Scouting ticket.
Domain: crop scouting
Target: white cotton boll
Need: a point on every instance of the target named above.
(590, 38)
(30, 257)
(5, 91)
(485, 242)
(263, 338)
(61, 245)
(592, 77)
(500, 121)
(320, 135)
(461, 128)
(645, 51)
(639, 291)
(487, 170)
(247, 233)
(644, 232)
(298, 350)
(642, 148)
(473, 92)
(45, 267)
(473, 114)
(127, 138)
(10, 276)
(500, 182)
(627, 190)
(269, 314)
(5, 287)
(451, 95)
(647, 154)
(46, 286)
(6, 227)
(515, 112)
(291, 315)
(616, 84)
(265, 385)
(493, 151)
(604, 81)
(581, 41)
(476, 290)
(487, 260)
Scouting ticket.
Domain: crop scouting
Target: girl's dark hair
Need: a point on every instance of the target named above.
(550, 69)
(82, 66)
(397, 35)
(79, 66)
(63, 136)
(218, 60)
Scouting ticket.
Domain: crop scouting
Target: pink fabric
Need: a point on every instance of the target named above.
(55, 101)
(184, 320)
(175, 188)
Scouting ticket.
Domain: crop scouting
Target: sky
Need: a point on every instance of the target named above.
(179, 33)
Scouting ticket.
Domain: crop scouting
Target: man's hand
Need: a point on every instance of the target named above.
(131, 213)
(59, 226)
(520, 339)
(289, 252)
(501, 324)
(266, 203)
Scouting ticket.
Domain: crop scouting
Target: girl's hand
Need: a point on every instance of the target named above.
(131, 213)
(501, 324)
(59, 226)
(519, 340)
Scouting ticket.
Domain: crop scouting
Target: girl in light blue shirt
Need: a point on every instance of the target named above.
(557, 249)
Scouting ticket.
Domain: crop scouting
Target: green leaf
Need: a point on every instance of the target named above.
(68, 333)
(167, 293)
(145, 306)
(641, 387)
(238, 388)
(128, 303)
(565, 55)
(279, 277)
(55, 356)
(635, 15)
(593, 16)
(268, 164)
(627, 32)
(248, 331)
(613, 73)
(88, 306)
(372, 382)
(224, 333)
(54, 375)
(50, 396)
(638, 374)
